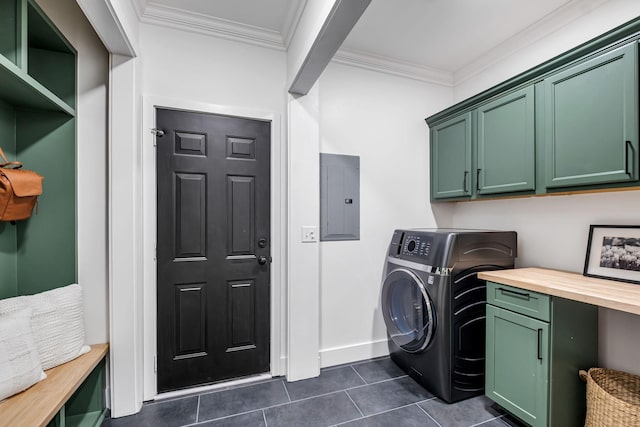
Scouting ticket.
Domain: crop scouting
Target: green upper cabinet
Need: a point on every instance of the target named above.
(451, 158)
(489, 150)
(569, 124)
(591, 121)
(505, 159)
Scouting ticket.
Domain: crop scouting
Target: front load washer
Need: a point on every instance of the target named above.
(433, 304)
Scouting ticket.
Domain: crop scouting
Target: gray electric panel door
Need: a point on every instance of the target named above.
(339, 197)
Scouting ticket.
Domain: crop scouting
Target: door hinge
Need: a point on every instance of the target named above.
(155, 364)
(158, 133)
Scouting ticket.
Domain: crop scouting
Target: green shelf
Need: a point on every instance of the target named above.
(20, 89)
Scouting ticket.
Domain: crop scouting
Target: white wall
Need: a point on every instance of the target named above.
(553, 231)
(184, 65)
(380, 118)
(93, 75)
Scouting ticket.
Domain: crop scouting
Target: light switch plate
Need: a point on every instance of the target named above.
(309, 233)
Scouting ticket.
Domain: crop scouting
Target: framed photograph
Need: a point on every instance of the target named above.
(613, 252)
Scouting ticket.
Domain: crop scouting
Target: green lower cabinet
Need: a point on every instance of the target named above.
(518, 364)
(532, 363)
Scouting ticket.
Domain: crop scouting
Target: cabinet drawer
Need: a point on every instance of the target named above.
(519, 300)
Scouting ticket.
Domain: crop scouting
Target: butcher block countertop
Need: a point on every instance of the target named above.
(604, 293)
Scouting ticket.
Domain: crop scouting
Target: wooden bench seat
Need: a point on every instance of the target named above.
(39, 404)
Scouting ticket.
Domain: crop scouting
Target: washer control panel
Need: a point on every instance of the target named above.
(416, 245)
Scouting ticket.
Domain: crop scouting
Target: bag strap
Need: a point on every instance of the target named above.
(16, 165)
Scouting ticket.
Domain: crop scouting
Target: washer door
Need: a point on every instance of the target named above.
(407, 310)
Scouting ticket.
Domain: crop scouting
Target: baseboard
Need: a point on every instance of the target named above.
(353, 353)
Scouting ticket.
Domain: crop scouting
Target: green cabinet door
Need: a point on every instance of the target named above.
(591, 120)
(517, 364)
(506, 144)
(451, 158)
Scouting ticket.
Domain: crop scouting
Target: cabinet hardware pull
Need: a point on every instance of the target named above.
(626, 157)
(464, 182)
(539, 344)
(515, 293)
(478, 179)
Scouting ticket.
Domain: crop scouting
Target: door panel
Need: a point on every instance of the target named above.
(191, 217)
(451, 158)
(506, 144)
(213, 194)
(591, 119)
(241, 306)
(190, 308)
(517, 371)
(241, 212)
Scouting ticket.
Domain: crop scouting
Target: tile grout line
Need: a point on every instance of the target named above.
(286, 391)
(487, 421)
(428, 414)
(354, 403)
(330, 392)
(198, 410)
(380, 413)
(358, 374)
(196, 394)
(268, 407)
(378, 382)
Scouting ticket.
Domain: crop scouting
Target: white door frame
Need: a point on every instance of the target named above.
(278, 228)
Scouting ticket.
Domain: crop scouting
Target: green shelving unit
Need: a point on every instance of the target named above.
(38, 128)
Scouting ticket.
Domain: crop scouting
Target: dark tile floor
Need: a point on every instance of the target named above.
(370, 393)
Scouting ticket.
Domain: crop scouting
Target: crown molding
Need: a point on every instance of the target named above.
(153, 13)
(545, 26)
(394, 67)
(291, 23)
(204, 24)
(139, 6)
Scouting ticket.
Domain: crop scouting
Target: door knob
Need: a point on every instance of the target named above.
(262, 260)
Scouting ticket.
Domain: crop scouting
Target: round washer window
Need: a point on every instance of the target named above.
(407, 311)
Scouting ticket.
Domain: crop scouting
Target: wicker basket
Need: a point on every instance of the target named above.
(613, 398)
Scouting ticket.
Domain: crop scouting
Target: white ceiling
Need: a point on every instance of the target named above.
(436, 40)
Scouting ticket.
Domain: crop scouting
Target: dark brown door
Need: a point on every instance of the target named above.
(213, 248)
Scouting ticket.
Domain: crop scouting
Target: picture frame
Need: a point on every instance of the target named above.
(613, 252)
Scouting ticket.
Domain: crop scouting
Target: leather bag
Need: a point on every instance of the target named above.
(19, 190)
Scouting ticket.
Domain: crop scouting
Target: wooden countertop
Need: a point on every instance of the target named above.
(604, 293)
